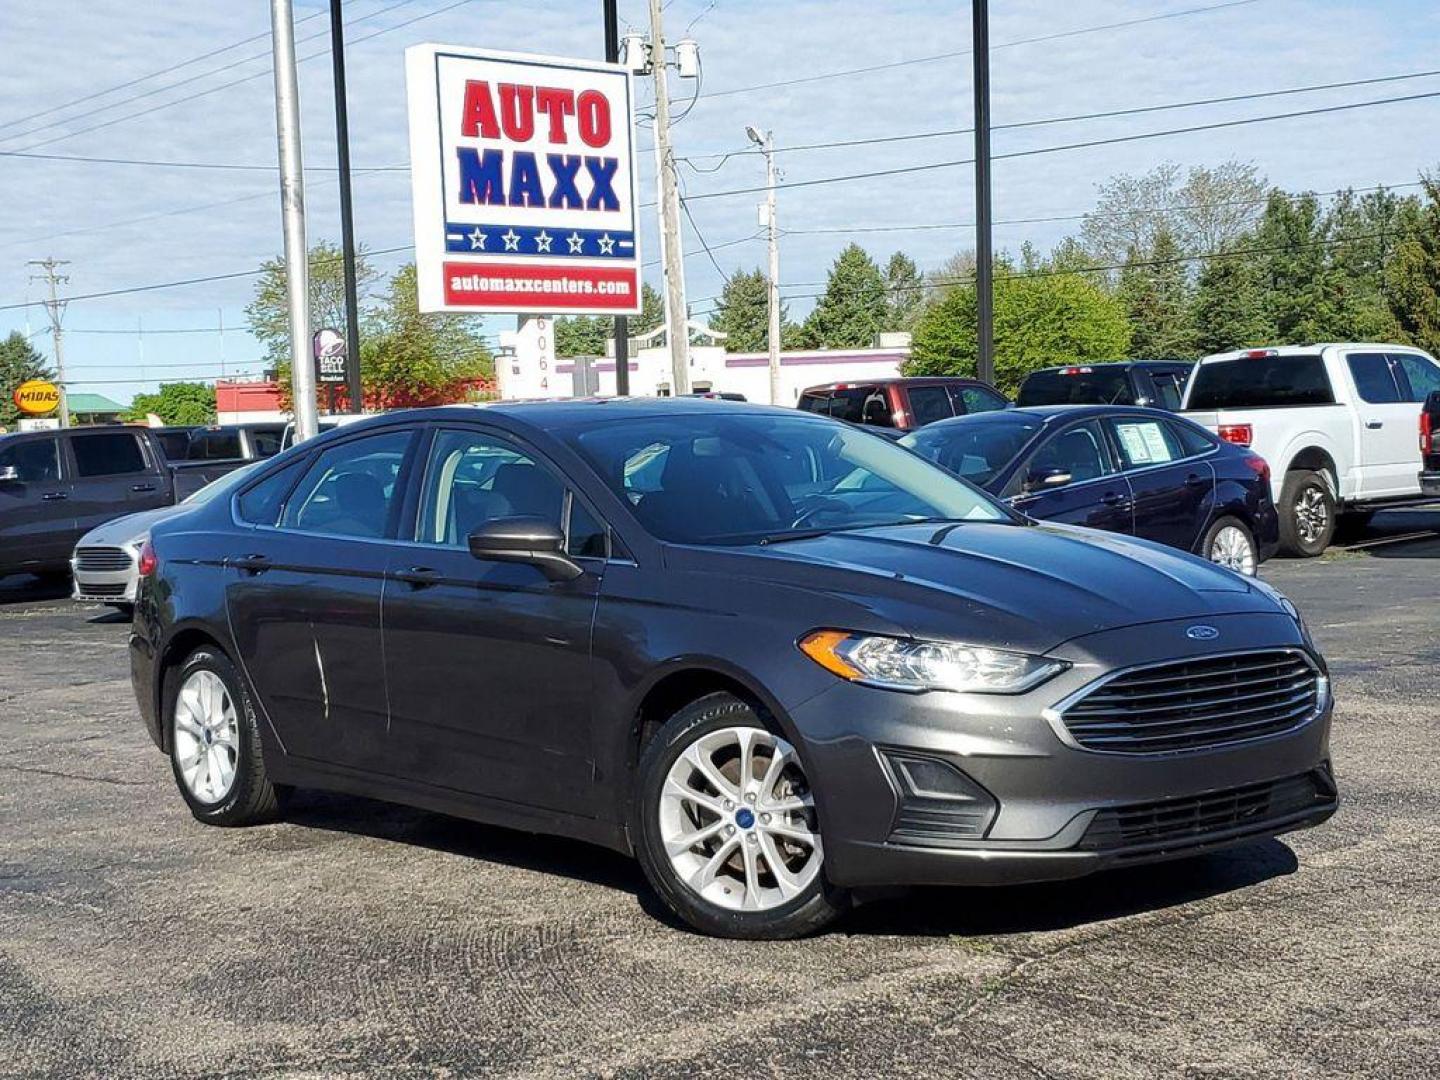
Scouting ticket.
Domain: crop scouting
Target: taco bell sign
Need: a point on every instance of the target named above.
(523, 181)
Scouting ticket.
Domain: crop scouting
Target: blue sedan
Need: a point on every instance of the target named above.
(1140, 471)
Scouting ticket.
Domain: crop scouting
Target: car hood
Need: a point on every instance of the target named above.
(1026, 587)
(124, 530)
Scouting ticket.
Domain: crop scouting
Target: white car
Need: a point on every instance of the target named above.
(1337, 423)
(105, 564)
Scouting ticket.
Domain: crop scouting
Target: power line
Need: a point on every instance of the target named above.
(171, 164)
(1191, 129)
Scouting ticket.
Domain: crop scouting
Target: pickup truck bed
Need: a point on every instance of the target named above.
(1336, 422)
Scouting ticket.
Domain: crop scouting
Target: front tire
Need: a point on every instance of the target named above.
(726, 826)
(1230, 544)
(1307, 513)
(215, 744)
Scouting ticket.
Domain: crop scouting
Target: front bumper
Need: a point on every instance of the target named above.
(105, 586)
(1057, 803)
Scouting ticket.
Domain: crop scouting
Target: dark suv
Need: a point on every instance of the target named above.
(1430, 446)
(902, 404)
(1157, 383)
(775, 657)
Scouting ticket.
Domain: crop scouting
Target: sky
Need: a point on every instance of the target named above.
(80, 81)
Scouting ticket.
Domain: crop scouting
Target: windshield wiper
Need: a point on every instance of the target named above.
(797, 534)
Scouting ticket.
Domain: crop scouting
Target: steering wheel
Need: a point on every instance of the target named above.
(818, 505)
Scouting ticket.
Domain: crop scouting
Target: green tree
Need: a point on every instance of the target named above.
(652, 311)
(853, 308)
(1301, 288)
(19, 361)
(1228, 310)
(743, 314)
(905, 292)
(1041, 319)
(581, 335)
(176, 403)
(268, 312)
(1413, 274)
(1156, 294)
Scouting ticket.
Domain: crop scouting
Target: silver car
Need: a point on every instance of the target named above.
(105, 565)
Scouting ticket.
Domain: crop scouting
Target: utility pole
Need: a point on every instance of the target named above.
(292, 205)
(677, 329)
(622, 322)
(984, 265)
(56, 310)
(766, 142)
(347, 217)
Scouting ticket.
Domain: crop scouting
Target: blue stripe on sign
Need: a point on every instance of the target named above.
(549, 243)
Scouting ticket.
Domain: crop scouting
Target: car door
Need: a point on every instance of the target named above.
(1388, 446)
(1088, 488)
(1173, 490)
(303, 593)
(37, 526)
(488, 663)
(114, 473)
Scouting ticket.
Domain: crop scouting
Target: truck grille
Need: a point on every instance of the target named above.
(1189, 704)
(1219, 815)
(102, 560)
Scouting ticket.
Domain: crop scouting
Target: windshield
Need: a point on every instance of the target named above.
(976, 448)
(220, 486)
(740, 479)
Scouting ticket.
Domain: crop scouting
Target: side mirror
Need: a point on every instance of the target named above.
(530, 540)
(1052, 477)
(9, 474)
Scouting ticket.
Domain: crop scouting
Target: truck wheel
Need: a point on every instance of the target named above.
(1307, 513)
(1229, 544)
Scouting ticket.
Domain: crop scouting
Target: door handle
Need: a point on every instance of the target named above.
(54, 496)
(250, 564)
(142, 487)
(420, 577)
(1196, 480)
(1112, 499)
(1374, 425)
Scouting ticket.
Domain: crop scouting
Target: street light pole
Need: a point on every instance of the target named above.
(984, 264)
(678, 330)
(622, 322)
(766, 142)
(292, 206)
(347, 217)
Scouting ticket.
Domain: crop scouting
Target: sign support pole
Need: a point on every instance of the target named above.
(984, 263)
(347, 218)
(622, 322)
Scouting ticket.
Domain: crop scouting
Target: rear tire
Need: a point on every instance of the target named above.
(214, 742)
(1230, 544)
(717, 774)
(1307, 513)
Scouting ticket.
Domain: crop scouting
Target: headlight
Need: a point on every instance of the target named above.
(915, 666)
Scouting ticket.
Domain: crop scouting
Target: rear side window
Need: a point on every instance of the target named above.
(266, 441)
(1167, 389)
(1374, 381)
(816, 403)
(1422, 374)
(350, 488)
(215, 446)
(36, 461)
(928, 404)
(1077, 386)
(260, 505)
(849, 404)
(175, 445)
(976, 399)
(1263, 383)
(111, 454)
(1193, 441)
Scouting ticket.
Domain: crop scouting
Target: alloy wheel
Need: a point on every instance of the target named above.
(1232, 549)
(1312, 515)
(206, 736)
(738, 820)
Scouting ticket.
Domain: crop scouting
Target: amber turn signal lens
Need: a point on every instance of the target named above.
(820, 646)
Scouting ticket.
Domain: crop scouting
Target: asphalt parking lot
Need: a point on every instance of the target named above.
(356, 938)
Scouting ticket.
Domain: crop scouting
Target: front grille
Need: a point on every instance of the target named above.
(100, 592)
(102, 560)
(1196, 703)
(1171, 824)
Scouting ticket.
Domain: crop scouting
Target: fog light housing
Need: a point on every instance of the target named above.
(938, 805)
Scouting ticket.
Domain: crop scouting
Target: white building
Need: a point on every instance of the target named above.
(527, 367)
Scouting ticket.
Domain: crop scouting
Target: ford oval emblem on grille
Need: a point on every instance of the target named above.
(1201, 633)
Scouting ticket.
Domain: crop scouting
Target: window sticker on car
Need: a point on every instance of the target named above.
(1144, 443)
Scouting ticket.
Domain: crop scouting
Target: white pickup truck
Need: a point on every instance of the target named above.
(1339, 425)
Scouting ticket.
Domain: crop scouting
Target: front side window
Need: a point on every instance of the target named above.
(1422, 373)
(261, 504)
(351, 487)
(740, 479)
(1267, 382)
(36, 461)
(928, 404)
(111, 454)
(1374, 380)
(1080, 450)
(473, 478)
(1146, 442)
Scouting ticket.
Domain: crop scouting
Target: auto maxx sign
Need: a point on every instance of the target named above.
(523, 177)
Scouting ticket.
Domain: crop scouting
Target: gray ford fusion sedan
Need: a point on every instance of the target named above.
(780, 660)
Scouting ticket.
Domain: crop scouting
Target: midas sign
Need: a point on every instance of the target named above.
(523, 177)
(36, 397)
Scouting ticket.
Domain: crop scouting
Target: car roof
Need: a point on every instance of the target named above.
(1108, 365)
(571, 412)
(898, 380)
(1046, 414)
